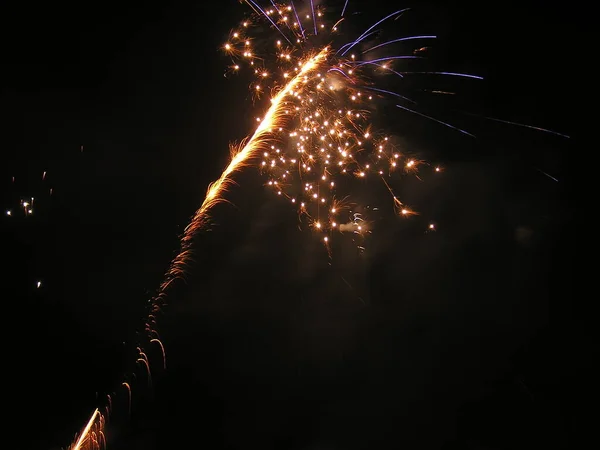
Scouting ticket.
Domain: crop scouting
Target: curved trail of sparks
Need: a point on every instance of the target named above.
(92, 437)
(239, 159)
(214, 195)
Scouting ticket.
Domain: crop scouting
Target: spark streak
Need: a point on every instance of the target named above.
(239, 159)
(92, 435)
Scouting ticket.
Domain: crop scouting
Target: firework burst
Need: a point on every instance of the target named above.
(322, 137)
(316, 141)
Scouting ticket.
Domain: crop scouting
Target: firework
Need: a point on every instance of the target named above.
(328, 138)
(313, 141)
(317, 134)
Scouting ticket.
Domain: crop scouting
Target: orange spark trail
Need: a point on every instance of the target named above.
(239, 159)
(84, 441)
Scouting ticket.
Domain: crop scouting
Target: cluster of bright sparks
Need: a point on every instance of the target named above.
(320, 134)
(25, 207)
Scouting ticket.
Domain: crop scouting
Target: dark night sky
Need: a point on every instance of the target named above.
(472, 337)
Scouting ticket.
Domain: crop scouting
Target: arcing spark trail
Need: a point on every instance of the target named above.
(240, 157)
(92, 436)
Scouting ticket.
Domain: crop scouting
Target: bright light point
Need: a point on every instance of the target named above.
(9, 213)
(325, 238)
(39, 284)
(431, 226)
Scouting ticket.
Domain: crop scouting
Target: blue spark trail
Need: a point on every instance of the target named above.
(435, 120)
(362, 36)
(287, 24)
(335, 69)
(531, 127)
(388, 58)
(395, 94)
(253, 3)
(352, 43)
(454, 74)
(399, 40)
(298, 20)
(344, 8)
(312, 7)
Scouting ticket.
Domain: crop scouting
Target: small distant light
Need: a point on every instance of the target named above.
(9, 213)
(39, 284)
